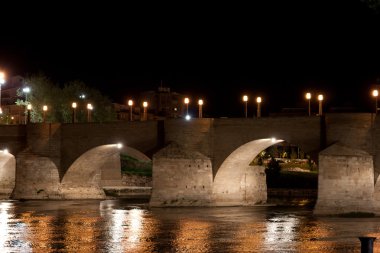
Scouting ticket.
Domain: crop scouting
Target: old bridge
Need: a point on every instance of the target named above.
(209, 167)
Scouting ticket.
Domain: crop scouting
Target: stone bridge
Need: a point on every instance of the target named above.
(68, 161)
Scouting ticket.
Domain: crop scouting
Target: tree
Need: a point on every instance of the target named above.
(103, 109)
(44, 92)
(374, 4)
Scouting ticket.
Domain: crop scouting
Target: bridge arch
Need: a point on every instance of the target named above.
(7, 173)
(97, 167)
(238, 183)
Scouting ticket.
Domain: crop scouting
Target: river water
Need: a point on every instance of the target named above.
(131, 226)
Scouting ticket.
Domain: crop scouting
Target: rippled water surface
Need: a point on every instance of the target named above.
(124, 226)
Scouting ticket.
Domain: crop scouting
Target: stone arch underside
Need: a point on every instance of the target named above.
(237, 183)
(83, 178)
(111, 169)
(7, 174)
(134, 153)
(98, 167)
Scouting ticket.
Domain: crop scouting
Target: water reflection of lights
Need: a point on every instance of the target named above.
(4, 216)
(281, 229)
(193, 236)
(7, 226)
(135, 219)
(125, 229)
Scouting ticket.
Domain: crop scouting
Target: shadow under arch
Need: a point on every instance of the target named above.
(7, 174)
(97, 167)
(134, 153)
(238, 183)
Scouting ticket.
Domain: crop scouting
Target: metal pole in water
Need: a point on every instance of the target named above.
(367, 244)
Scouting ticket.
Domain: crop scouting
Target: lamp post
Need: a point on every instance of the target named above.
(375, 93)
(29, 108)
(308, 97)
(187, 101)
(245, 99)
(2, 81)
(26, 90)
(44, 109)
(89, 109)
(320, 99)
(73, 115)
(145, 105)
(200, 104)
(258, 100)
(130, 103)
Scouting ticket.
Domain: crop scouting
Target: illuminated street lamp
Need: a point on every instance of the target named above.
(73, 116)
(89, 109)
(258, 100)
(375, 93)
(44, 109)
(187, 101)
(130, 103)
(245, 99)
(308, 97)
(26, 90)
(145, 105)
(2, 81)
(200, 104)
(29, 108)
(320, 99)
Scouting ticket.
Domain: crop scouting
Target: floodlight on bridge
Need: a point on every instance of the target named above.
(273, 140)
(5, 151)
(119, 145)
(188, 117)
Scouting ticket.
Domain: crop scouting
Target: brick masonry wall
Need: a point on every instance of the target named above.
(135, 180)
(13, 138)
(181, 182)
(345, 184)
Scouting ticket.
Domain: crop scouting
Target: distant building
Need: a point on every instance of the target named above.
(12, 113)
(163, 102)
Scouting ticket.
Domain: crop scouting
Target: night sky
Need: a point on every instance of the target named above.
(216, 51)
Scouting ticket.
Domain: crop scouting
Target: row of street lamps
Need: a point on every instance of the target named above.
(73, 105)
(26, 90)
(320, 99)
(145, 106)
(258, 101)
(200, 105)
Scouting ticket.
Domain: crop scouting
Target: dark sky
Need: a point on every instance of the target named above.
(217, 51)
